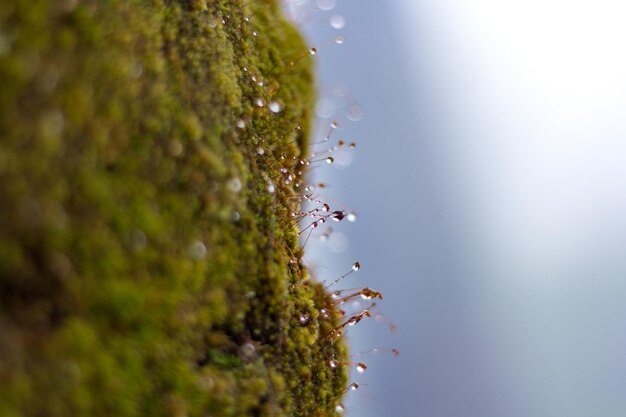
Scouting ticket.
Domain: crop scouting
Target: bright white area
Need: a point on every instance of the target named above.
(530, 98)
(533, 95)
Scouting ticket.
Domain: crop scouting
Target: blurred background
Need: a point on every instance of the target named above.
(489, 180)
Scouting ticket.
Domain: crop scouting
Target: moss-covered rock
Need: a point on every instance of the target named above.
(149, 264)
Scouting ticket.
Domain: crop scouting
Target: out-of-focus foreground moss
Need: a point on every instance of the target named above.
(148, 262)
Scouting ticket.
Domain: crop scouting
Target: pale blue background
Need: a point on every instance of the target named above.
(490, 183)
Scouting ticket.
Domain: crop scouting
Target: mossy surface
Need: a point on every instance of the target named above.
(149, 265)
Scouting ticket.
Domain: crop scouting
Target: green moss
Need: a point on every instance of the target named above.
(145, 268)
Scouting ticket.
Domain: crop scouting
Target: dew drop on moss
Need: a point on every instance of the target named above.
(197, 250)
(234, 185)
(212, 21)
(275, 106)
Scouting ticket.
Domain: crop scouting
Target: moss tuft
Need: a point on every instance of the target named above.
(145, 267)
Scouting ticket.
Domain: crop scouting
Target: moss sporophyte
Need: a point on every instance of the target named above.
(154, 165)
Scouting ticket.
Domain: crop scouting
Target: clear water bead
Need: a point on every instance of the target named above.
(234, 185)
(197, 250)
(339, 40)
(212, 21)
(275, 106)
(337, 21)
(356, 266)
(326, 5)
(313, 51)
(351, 217)
(361, 367)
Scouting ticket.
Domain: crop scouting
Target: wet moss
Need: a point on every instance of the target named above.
(145, 266)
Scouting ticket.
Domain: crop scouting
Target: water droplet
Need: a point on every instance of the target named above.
(138, 239)
(339, 408)
(354, 112)
(330, 160)
(351, 217)
(247, 18)
(361, 367)
(270, 188)
(260, 151)
(325, 207)
(212, 21)
(326, 5)
(136, 70)
(339, 40)
(334, 124)
(253, 78)
(245, 69)
(260, 102)
(356, 266)
(241, 124)
(261, 84)
(313, 51)
(234, 185)
(175, 147)
(255, 33)
(325, 108)
(333, 364)
(235, 216)
(52, 124)
(303, 319)
(354, 386)
(313, 225)
(197, 250)
(247, 351)
(275, 106)
(337, 21)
